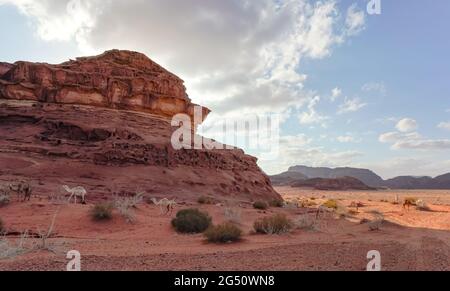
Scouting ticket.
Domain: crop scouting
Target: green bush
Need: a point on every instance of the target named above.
(223, 233)
(205, 200)
(102, 211)
(261, 205)
(191, 221)
(276, 203)
(277, 224)
(331, 204)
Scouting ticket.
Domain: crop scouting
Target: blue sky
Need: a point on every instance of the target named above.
(390, 73)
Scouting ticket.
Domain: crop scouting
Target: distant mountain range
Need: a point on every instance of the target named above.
(297, 174)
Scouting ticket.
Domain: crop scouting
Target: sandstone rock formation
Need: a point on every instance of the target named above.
(115, 79)
(104, 123)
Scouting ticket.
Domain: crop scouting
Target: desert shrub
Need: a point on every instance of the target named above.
(125, 205)
(261, 205)
(2, 226)
(422, 206)
(277, 224)
(306, 222)
(352, 212)
(4, 199)
(411, 200)
(276, 203)
(191, 221)
(331, 204)
(375, 224)
(223, 233)
(232, 214)
(102, 211)
(205, 200)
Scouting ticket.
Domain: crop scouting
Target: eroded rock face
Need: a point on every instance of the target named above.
(62, 125)
(115, 79)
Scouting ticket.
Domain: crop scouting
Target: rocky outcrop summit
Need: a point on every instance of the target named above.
(104, 123)
(115, 79)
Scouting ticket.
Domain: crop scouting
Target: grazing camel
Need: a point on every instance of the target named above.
(76, 192)
(22, 188)
(166, 204)
(408, 203)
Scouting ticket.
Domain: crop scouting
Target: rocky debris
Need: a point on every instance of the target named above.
(67, 124)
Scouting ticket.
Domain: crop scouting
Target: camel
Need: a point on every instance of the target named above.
(76, 192)
(22, 188)
(408, 203)
(165, 203)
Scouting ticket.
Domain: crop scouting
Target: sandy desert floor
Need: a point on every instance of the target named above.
(407, 240)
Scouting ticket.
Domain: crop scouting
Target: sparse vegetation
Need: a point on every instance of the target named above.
(5, 199)
(276, 203)
(306, 222)
(277, 224)
(191, 221)
(125, 206)
(333, 204)
(375, 224)
(102, 211)
(223, 233)
(261, 205)
(232, 214)
(205, 200)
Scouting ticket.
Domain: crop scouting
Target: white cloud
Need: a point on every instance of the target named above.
(351, 105)
(406, 125)
(347, 139)
(335, 94)
(237, 55)
(311, 116)
(379, 87)
(444, 125)
(405, 139)
(355, 20)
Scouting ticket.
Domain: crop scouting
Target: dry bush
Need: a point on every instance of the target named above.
(5, 199)
(125, 205)
(333, 204)
(232, 214)
(45, 235)
(422, 206)
(206, 200)
(191, 221)
(376, 223)
(306, 222)
(2, 226)
(261, 205)
(58, 199)
(102, 211)
(277, 224)
(9, 250)
(223, 233)
(276, 203)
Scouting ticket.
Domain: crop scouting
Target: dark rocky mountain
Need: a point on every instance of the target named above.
(366, 176)
(337, 184)
(296, 175)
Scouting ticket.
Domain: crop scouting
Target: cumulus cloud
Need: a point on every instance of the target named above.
(407, 139)
(335, 94)
(379, 87)
(406, 125)
(234, 54)
(444, 125)
(311, 116)
(347, 139)
(351, 105)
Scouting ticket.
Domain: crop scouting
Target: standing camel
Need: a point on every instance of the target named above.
(76, 192)
(22, 188)
(166, 204)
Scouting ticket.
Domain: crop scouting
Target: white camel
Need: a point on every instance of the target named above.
(76, 192)
(166, 204)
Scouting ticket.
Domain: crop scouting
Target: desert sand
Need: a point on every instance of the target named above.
(407, 240)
